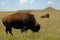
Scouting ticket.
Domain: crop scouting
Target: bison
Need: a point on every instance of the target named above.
(45, 16)
(23, 21)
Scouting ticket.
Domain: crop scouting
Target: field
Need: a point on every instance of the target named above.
(50, 27)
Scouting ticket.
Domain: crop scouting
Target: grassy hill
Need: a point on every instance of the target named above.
(50, 27)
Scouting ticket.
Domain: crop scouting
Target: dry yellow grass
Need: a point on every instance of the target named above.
(50, 27)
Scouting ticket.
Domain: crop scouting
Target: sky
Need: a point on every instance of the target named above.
(14, 5)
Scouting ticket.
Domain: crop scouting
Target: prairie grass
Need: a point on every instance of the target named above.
(50, 28)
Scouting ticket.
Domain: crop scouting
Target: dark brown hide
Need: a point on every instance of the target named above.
(23, 21)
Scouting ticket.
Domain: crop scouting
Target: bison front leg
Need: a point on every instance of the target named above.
(23, 29)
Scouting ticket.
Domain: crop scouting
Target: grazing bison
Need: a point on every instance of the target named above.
(45, 16)
(23, 21)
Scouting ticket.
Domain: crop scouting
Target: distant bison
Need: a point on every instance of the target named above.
(45, 16)
(23, 21)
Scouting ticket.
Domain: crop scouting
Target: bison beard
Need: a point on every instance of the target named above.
(20, 21)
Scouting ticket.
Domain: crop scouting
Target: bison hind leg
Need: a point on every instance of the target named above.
(6, 30)
(9, 29)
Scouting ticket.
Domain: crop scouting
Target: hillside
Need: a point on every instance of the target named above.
(50, 27)
(49, 10)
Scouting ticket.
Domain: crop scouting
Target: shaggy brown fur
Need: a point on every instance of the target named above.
(23, 21)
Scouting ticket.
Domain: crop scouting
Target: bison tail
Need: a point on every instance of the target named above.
(4, 22)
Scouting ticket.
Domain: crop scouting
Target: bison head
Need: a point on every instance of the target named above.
(36, 28)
